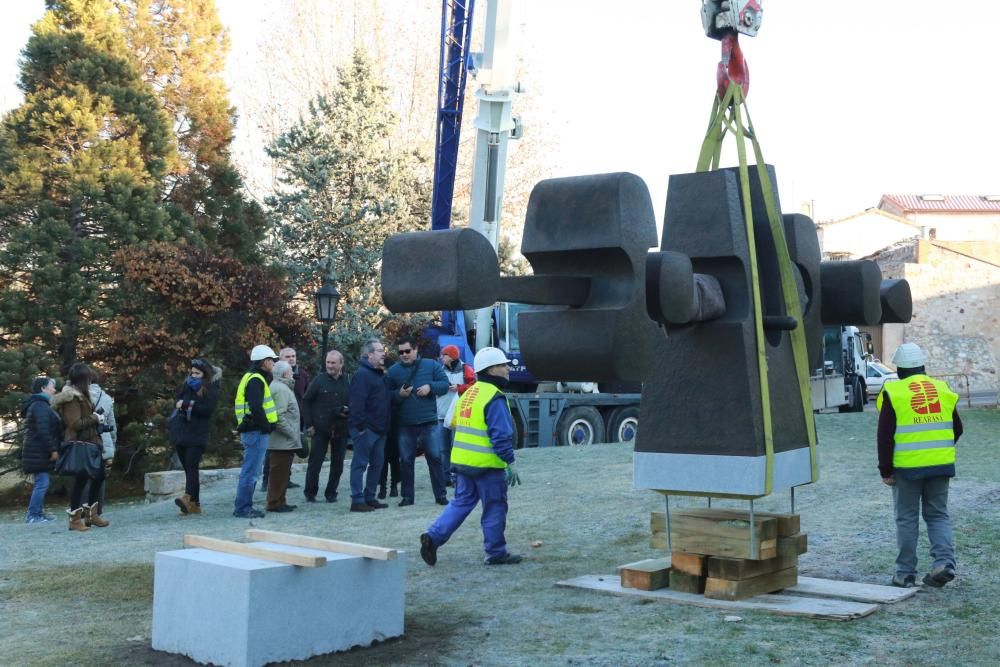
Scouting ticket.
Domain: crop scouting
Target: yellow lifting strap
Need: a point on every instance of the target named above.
(727, 116)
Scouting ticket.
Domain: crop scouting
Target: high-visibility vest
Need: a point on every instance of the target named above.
(472, 446)
(243, 408)
(925, 435)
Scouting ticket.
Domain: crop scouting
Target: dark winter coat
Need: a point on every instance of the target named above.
(194, 418)
(324, 401)
(42, 433)
(369, 400)
(414, 410)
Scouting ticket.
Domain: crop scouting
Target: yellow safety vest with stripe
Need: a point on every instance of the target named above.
(925, 435)
(243, 408)
(472, 445)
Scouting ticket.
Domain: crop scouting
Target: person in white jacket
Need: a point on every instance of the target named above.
(104, 404)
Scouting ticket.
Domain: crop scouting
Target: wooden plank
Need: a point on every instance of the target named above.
(646, 575)
(783, 605)
(251, 551)
(723, 589)
(658, 541)
(693, 564)
(686, 583)
(716, 534)
(291, 539)
(788, 524)
(851, 590)
(735, 569)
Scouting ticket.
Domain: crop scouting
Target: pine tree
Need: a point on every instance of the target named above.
(343, 189)
(81, 163)
(180, 49)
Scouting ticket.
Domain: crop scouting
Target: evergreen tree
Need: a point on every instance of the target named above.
(344, 188)
(180, 49)
(81, 163)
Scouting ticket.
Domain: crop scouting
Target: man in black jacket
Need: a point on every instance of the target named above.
(368, 422)
(42, 434)
(324, 412)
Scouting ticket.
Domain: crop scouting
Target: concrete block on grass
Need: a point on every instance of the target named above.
(225, 609)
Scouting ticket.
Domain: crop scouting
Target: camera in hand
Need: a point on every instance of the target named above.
(344, 410)
(407, 387)
(103, 428)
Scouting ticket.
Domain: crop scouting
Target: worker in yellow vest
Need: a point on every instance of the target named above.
(918, 427)
(482, 457)
(256, 416)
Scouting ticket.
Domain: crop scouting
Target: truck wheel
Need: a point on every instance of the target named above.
(581, 425)
(858, 400)
(623, 424)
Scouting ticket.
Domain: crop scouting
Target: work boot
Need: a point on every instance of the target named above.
(376, 505)
(909, 581)
(939, 576)
(184, 503)
(76, 520)
(428, 550)
(194, 507)
(506, 559)
(92, 518)
(361, 507)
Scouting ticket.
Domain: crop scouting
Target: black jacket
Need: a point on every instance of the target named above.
(370, 401)
(42, 433)
(323, 402)
(194, 419)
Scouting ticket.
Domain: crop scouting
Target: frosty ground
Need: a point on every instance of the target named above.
(86, 599)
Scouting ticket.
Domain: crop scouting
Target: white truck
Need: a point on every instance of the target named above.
(840, 383)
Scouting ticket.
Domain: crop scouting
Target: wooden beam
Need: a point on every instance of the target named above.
(782, 605)
(720, 534)
(686, 583)
(240, 549)
(796, 544)
(788, 524)
(736, 569)
(646, 575)
(320, 544)
(723, 589)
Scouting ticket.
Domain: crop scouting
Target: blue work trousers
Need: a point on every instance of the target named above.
(254, 448)
(490, 488)
(428, 436)
(36, 506)
(911, 497)
(368, 455)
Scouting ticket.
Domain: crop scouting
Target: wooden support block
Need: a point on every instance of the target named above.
(646, 575)
(377, 553)
(793, 544)
(788, 524)
(686, 583)
(693, 564)
(723, 589)
(253, 552)
(737, 569)
(658, 541)
(719, 534)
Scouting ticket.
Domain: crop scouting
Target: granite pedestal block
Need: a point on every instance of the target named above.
(225, 609)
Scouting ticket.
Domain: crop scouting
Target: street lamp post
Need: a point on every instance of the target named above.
(327, 298)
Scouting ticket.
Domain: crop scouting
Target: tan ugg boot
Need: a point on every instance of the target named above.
(184, 503)
(194, 507)
(92, 518)
(76, 520)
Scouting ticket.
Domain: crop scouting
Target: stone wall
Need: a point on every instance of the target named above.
(956, 307)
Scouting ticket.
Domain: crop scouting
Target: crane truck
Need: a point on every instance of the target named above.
(840, 382)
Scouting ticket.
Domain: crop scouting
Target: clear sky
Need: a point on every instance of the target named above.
(850, 99)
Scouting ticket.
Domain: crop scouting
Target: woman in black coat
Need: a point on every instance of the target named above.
(42, 435)
(190, 426)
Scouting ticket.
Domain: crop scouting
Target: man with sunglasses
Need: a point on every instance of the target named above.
(415, 384)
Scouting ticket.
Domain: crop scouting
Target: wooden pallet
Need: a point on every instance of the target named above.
(785, 604)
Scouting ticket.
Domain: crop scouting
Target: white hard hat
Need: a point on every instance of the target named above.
(261, 352)
(909, 355)
(488, 356)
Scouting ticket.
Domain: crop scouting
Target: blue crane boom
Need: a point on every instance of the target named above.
(456, 37)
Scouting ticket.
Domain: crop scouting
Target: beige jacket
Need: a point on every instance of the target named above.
(286, 432)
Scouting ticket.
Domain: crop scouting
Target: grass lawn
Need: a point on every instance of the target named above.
(86, 599)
